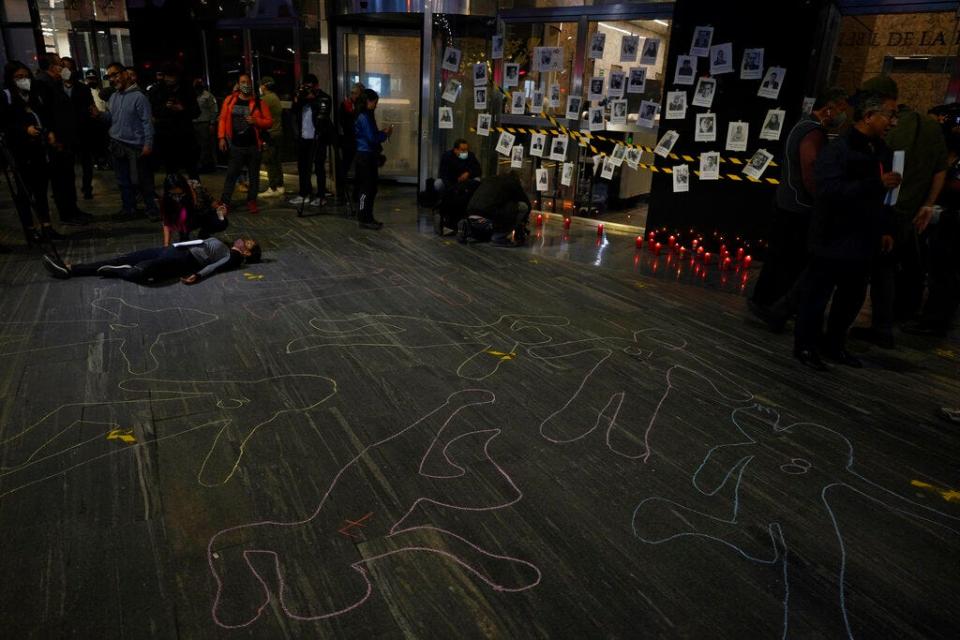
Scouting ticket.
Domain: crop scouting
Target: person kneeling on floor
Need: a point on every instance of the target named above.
(190, 261)
(498, 212)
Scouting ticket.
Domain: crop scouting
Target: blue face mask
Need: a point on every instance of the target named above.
(464, 155)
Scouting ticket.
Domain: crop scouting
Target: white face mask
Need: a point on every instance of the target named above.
(23, 84)
(66, 74)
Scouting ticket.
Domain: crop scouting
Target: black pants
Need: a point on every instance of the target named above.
(846, 280)
(63, 182)
(786, 257)
(156, 263)
(34, 172)
(312, 159)
(365, 182)
(86, 155)
(896, 282)
(348, 151)
(242, 158)
(944, 283)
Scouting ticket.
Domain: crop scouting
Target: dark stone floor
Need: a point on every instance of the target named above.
(387, 434)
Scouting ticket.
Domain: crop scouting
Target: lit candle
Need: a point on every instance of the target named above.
(694, 243)
(600, 229)
(566, 223)
(539, 219)
(639, 242)
(740, 253)
(706, 257)
(699, 251)
(726, 263)
(657, 248)
(746, 262)
(672, 240)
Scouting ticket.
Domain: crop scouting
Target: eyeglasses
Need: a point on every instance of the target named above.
(111, 76)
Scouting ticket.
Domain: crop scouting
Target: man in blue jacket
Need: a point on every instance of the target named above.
(131, 140)
(850, 226)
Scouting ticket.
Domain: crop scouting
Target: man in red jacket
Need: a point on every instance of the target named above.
(242, 118)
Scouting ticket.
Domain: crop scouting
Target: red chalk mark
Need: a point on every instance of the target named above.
(345, 530)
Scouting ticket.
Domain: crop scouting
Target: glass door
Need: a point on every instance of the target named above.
(389, 63)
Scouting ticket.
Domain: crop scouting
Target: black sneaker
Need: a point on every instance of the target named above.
(56, 268)
(810, 358)
(113, 270)
(371, 224)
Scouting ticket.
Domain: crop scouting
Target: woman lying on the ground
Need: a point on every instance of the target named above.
(186, 206)
(192, 263)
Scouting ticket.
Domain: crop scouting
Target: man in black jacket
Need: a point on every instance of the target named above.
(457, 166)
(850, 226)
(314, 132)
(81, 97)
(174, 105)
(63, 123)
(502, 201)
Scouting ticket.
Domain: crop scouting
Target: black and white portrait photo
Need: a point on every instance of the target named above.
(751, 67)
(772, 82)
(676, 105)
(618, 112)
(629, 46)
(617, 84)
(737, 133)
(704, 93)
(637, 82)
(706, 128)
(772, 125)
(574, 108)
(511, 75)
(721, 59)
(595, 89)
(451, 59)
(686, 70)
(702, 39)
(597, 44)
(480, 74)
(480, 98)
(651, 49)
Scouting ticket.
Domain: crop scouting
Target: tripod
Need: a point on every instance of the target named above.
(23, 199)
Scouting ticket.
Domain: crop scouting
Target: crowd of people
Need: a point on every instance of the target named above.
(849, 218)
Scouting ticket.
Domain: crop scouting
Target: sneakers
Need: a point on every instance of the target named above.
(375, 225)
(252, 206)
(56, 268)
(113, 270)
(810, 359)
(299, 200)
(318, 202)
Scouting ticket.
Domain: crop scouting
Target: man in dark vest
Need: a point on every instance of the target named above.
(787, 256)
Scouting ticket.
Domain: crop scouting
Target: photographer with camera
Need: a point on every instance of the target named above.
(312, 108)
(28, 142)
(370, 157)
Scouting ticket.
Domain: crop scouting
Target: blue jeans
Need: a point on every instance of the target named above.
(133, 173)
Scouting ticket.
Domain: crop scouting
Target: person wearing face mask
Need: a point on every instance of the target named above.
(186, 206)
(787, 254)
(81, 98)
(205, 126)
(131, 140)
(457, 180)
(174, 106)
(64, 124)
(311, 112)
(242, 118)
(24, 121)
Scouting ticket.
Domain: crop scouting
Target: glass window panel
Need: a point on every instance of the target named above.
(16, 11)
(21, 45)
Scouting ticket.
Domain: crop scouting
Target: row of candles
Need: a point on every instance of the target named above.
(697, 251)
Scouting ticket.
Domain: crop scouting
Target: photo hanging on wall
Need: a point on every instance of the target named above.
(772, 82)
(705, 129)
(547, 59)
(647, 116)
(595, 92)
(666, 144)
(484, 123)
(553, 101)
(505, 143)
(446, 118)
(686, 70)
(516, 157)
(566, 176)
(616, 84)
(496, 48)
(536, 102)
(480, 74)
(702, 39)
(704, 93)
(737, 133)
(597, 43)
(772, 125)
(451, 60)
(518, 103)
(618, 112)
(596, 119)
(558, 149)
(608, 167)
(511, 74)
(751, 67)
(537, 143)
(710, 165)
(480, 98)
(758, 164)
(629, 48)
(633, 158)
(543, 180)
(676, 105)
(651, 49)
(721, 59)
(452, 92)
(681, 178)
(637, 82)
(619, 153)
(574, 108)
